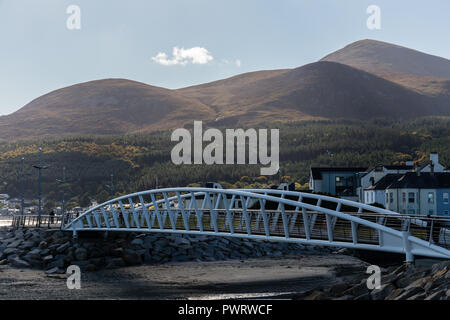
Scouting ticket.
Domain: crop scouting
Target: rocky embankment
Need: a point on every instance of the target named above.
(405, 282)
(54, 250)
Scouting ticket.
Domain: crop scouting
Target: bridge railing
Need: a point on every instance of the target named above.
(255, 214)
(33, 220)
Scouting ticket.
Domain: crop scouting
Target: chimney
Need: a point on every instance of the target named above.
(431, 168)
(434, 158)
(418, 170)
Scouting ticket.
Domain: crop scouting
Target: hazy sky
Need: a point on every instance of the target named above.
(214, 39)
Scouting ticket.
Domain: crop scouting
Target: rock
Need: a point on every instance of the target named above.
(418, 296)
(91, 267)
(9, 251)
(436, 295)
(131, 257)
(3, 262)
(364, 296)
(81, 254)
(62, 248)
(137, 242)
(316, 295)
(43, 244)
(27, 245)
(54, 270)
(358, 289)
(438, 266)
(14, 244)
(47, 259)
(19, 263)
(60, 263)
(118, 262)
(118, 252)
(409, 292)
(81, 264)
(35, 254)
(403, 282)
(394, 294)
(338, 289)
(382, 292)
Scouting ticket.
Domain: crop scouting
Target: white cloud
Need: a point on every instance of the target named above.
(181, 56)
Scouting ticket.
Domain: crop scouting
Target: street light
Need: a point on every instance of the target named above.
(40, 167)
(63, 181)
(22, 188)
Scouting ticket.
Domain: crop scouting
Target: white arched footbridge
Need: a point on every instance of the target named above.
(267, 214)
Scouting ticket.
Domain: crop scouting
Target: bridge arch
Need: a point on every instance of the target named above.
(297, 217)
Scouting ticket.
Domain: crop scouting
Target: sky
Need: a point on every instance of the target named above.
(46, 45)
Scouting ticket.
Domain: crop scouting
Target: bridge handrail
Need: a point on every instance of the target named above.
(202, 191)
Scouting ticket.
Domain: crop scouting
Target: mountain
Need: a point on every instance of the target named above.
(316, 91)
(102, 107)
(427, 74)
(366, 79)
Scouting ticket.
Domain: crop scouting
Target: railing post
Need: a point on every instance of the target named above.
(407, 246)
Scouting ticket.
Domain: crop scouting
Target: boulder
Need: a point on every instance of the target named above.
(437, 295)
(10, 251)
(19, 263)
(316, 295)
(382, 292)
(138, 242)
(409, 292)
(131, 257)
(81, 254)
(62, 248)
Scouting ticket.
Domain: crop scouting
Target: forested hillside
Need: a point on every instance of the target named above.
(141, 162)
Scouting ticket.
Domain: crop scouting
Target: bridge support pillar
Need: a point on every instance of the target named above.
(75, 234)
(407, 246)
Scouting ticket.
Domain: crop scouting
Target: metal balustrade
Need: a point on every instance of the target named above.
(273, 215)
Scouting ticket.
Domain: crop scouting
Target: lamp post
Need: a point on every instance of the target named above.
(40, 167)
(63, 181)
(22, 188)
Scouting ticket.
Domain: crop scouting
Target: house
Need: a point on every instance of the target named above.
(419, 193)
(376, 193)
(335, 181)
(4, 198)
(374, 175)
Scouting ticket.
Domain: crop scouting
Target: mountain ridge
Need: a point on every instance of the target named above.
(365, 79)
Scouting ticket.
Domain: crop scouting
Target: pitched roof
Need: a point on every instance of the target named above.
(385, 182)
(426, 180)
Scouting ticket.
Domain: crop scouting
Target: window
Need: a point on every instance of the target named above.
(430, 197)
(387, 198)
(430, 212)
(391, 197)
(403, 197)
(411, 212)
(445, 197)
(343, 186)
(445, 212)
(411, 197)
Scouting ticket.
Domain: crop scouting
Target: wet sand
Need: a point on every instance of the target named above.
(252, 278)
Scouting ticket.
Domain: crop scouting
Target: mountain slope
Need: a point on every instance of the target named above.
(376, 56)
(102, 107)
(419, 71)
(317, 90)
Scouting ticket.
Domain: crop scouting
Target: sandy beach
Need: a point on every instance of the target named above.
(252, 278)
